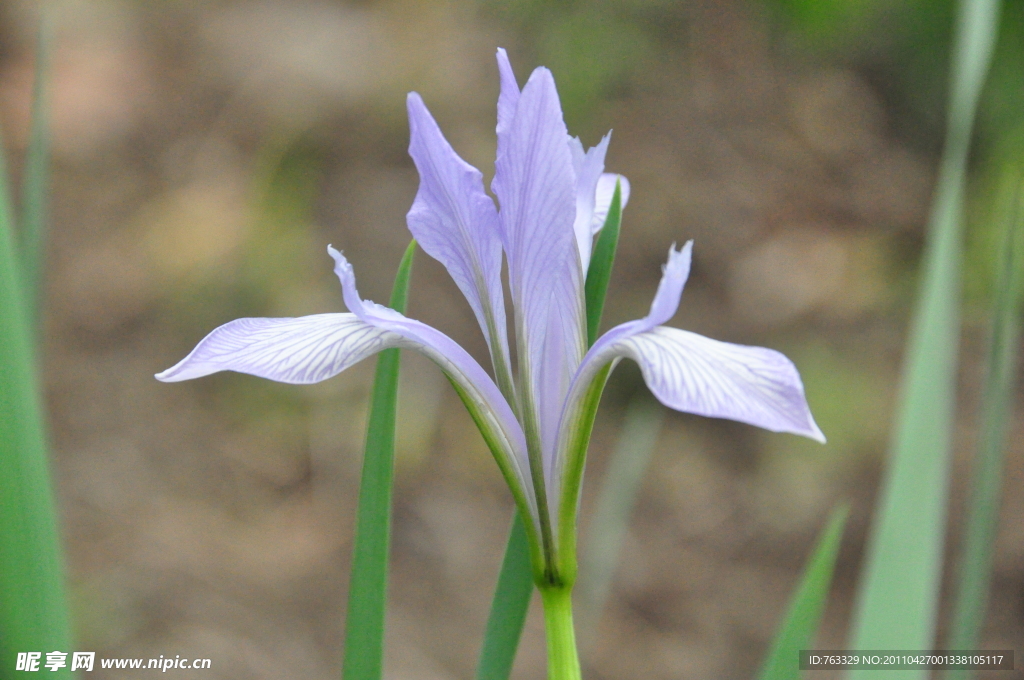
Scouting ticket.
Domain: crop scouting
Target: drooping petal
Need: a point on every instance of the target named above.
(536, 187)
(695, 374)
(456, 223)
(302, 350)
(588, 166)
(603, 199)
(458, 365)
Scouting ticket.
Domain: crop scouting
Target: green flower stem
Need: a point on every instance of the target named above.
(563, 662)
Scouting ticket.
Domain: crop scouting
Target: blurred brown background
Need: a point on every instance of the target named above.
(205, 153)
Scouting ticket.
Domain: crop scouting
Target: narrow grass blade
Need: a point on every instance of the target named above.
(615, 502)
(807, 605)
(367, 590)
(509, 607)
(986, 484)
(601, 261)
(897, 601)
(33, 611)
(515, 581)
(35, 185)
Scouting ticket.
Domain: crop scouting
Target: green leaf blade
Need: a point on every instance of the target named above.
(615, 502)
(508, 608)
(33, 609)
(600, 270)
(367, 596)
(804, 612)
(897, 602)
(986, 484)
(35, 186)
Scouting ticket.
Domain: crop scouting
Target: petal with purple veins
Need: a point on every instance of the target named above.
(588, 166)
(485, 397)
(302, 350)
(456, 223)
(536, 187)
(695, 374)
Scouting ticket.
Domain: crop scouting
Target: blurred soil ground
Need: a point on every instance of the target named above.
(206, 153)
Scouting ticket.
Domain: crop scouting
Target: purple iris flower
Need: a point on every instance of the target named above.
(554, 197)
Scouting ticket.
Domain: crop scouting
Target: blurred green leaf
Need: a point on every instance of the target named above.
(35, 186)
(824, 21)
(33, 609)
(807, 605)
(367, 591)
(897, 602)
(986, 485)
(615, 501)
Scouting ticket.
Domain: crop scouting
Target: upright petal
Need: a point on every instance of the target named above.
(508, 101)
(457, 224)
(536, 186)
(304, 350)
(588, 166)
(670, 289)
(562, 353)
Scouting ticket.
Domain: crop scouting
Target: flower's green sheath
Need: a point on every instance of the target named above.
(554, 197)
(807, 605)
(986, 487)
(897, 602)
(33, 610)
(367, 590)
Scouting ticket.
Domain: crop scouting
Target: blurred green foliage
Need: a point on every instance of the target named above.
(903, 48)
(596, 50)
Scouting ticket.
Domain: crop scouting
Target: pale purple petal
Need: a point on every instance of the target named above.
(452, 359)
(508, 101)
(563, 350)
(670, 288)
(695, 374)
(303, 350)
(536, 186)
(666, 301)
(588, 167)
(691, 373)
(603, 199)
(456, 223)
